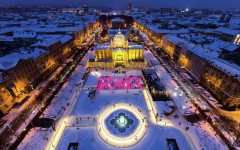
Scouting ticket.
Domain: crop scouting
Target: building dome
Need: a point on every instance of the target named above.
(119, 37)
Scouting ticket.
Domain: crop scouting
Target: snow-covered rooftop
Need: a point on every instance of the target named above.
(209, 42)
(210, 52)
(20, 32)
(117, 19)
(9, 61)
(156, 28)
(227, 31)
(24, 34)
(6, 38)
(49, 40)
(197, 49)
(101, 47)
(136, 46)
(65, 38)
(227, 67)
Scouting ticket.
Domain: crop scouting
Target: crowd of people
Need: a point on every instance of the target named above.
(111, 83)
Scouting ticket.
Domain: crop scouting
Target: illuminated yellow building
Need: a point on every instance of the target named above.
(20, 79)
(86, 32)
(118, 53)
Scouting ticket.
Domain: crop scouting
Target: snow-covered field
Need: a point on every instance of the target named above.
(105, 98)
(155, 138)
(85, 132)
(201, 133)
(87, 136)
(39, 138)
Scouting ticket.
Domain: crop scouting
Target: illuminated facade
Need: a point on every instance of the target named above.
(222, 84)
(86, 32)
(236, 39)
(19, 80)
(154, 36)
(118, 53)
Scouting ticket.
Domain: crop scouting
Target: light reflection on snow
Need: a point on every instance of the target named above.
(96, 73)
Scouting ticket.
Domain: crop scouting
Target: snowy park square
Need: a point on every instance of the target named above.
(85, 123)
(155, 138)
(105, 98)
(81, 125)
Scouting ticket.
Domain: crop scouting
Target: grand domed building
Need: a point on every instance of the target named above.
(118, 53)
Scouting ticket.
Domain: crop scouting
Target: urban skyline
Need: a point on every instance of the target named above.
(183, 4)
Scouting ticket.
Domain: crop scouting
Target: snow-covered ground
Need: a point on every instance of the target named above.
(34, 140)
(105, 98)
(201, 132)
(85, 131)
(88, 136)
(56, 109)
(155, 138)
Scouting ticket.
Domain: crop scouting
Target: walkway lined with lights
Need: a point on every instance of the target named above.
(99, 122)
(55, 138)
(107, 136)
(165, 122)
(62, 123)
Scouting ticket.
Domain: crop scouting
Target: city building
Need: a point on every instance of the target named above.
(21, 70)
(236, 39)
(158, 90)
(223, 81)
(227, 34)
(130, 6)
(85, 8)
(47, 48)
(117, 23)
(118, 53)
(203, 57)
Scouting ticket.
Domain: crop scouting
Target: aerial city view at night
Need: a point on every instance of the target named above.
(116, 75)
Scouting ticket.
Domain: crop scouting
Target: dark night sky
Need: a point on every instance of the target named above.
(138, 3)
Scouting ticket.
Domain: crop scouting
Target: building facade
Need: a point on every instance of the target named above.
(17, 81)
(87, 31)
(222, 83)
(118, 53)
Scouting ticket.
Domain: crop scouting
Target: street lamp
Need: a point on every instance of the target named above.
(27, 118)
(208, 116)
(174, 94)
(9, 126)
(126, 87)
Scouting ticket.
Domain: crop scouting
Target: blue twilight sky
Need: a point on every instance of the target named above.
(138, 3)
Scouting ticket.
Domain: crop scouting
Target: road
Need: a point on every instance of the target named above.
(10, 131)
(9, 134)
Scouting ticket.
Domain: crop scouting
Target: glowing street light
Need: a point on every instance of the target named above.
(183, 107)
(174, 94)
